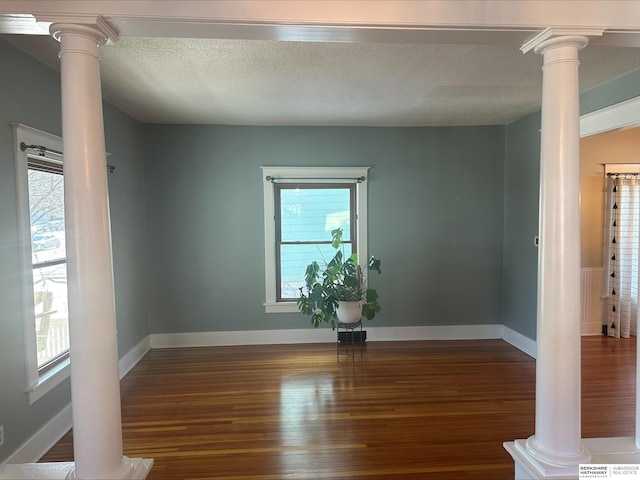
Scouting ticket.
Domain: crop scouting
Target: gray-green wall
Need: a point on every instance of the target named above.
(435, 220)
(30, 94)
(452, 214)
(521, 203)
(521, 187)
(615, 91)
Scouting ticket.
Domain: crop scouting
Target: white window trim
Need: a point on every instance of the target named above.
(310, 175)
(621, 168)
(37, 384)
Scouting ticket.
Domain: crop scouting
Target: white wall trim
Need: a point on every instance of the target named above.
(620, 115)
(519, 341)
(591, 329)
(621, 168)
(249, 337)
(183, 19)
(37, 384)
(326, 335)
(45, 438)
(453, 332)
(133, 356)
(306, 175)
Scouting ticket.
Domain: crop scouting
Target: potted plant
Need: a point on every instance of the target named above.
(338, 288)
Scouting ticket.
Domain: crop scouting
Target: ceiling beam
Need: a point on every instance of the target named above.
(152, 17)
(412, 21)
(505, 14)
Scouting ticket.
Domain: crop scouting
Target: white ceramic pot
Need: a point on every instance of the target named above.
(349, 312)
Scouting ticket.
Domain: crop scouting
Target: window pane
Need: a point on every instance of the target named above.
(309, 214)
(46, 207)
(51, 313)
(294, 260)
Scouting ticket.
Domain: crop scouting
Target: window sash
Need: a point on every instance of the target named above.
(350, 235)
(50, 317)
(53, 339)
(44, 164)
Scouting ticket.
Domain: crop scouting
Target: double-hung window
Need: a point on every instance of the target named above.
(40, 188)
(302, 206)
(305, 214)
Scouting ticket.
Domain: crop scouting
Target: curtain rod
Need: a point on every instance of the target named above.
(43, 150)
(271, 179)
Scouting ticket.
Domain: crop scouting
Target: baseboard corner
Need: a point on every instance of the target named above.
(522, 343)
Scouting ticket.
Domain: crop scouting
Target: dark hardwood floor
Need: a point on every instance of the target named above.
(405, 410)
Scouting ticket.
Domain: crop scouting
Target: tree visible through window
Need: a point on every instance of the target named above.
(46, 214)
(305, 216)
(302, 205)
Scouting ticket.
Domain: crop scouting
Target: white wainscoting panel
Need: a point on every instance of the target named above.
(591, 301)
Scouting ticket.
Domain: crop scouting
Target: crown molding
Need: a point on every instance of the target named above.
(553, 33)
(96, 22)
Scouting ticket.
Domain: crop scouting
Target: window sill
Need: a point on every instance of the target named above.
(48, 381)
(281, 307)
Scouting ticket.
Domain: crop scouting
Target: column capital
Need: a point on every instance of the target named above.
(565, 35)
(94, 26)
(575, 41)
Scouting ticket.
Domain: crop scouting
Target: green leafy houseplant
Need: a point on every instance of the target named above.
(341, 279)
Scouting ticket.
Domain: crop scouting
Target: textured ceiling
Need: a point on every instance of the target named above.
(263, 82)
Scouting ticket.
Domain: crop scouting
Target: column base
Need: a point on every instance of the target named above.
(615, 450)
(545, 457)
(132, 469)
(530, 467)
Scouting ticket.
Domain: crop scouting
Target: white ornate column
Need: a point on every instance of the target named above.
(557, 436)
(95, 390)
(556, 447)
(95, 386)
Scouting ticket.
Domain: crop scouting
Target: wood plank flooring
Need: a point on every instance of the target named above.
(405, 410)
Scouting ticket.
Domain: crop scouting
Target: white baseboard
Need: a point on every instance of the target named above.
(33, 449)
(323, 335)
(45, 438)
(519, 341)
(249, 337)
(133, 356)
(591, 328)
(452, 332)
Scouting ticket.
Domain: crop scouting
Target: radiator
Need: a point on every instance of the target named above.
(591, 301)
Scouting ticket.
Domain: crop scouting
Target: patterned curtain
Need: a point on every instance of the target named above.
(622, 305)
